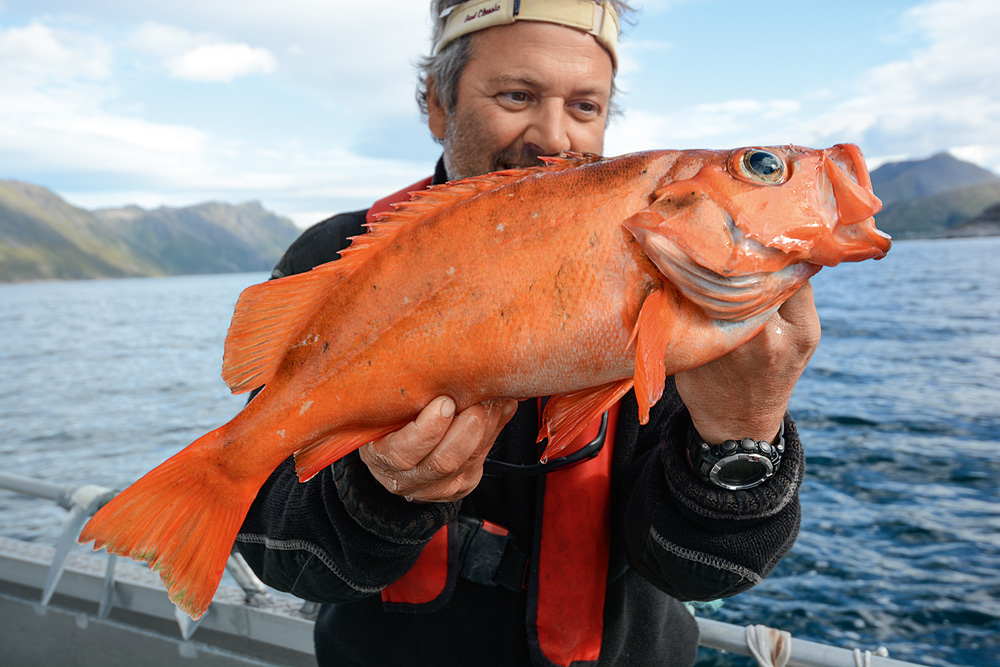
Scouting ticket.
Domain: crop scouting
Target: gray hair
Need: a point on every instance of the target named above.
(445, 68)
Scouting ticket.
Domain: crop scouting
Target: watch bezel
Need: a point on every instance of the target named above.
(715, 474)
(711, 461)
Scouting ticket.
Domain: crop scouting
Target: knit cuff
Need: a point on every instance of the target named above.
(722, 509)
(385, 514)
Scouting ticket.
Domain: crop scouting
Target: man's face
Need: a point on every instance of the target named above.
(529, 89)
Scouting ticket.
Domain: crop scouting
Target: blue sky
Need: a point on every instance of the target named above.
(307, 105)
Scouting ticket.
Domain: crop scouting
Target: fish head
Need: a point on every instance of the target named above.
(752, 217)
(811, 205)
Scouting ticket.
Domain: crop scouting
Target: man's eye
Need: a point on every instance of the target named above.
(519, 97)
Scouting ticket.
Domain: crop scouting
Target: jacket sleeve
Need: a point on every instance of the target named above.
(338, 537)
(691, 539)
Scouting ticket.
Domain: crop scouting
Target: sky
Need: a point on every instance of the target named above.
(307, 106)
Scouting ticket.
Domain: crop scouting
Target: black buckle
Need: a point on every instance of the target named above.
(490, 559)
(585, 453)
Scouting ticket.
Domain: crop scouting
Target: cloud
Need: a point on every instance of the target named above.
(944, 96)
(221, 62)
(41, 52)
(720, 125)
(85, 102)
(162, 41)
(57, 99)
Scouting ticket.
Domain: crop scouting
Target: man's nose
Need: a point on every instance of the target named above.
(549, 128)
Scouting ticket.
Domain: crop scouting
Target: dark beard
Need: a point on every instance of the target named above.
(515, 156)
(461, 138)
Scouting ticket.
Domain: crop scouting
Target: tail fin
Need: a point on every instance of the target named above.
(181, 518)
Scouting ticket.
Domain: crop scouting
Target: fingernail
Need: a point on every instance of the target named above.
(447, 408)
(509, 407)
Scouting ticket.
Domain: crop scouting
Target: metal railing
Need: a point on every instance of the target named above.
(766, 645)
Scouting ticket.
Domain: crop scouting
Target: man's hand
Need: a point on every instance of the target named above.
(439, 456)
(745, 393)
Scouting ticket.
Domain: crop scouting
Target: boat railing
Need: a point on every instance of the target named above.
(280, 620)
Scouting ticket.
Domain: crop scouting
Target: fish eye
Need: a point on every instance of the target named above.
(762, 166)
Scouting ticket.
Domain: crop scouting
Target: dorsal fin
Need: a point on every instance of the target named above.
(266, 320)
(423, 203)
(569, 159)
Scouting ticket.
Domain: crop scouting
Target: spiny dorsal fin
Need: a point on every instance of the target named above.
(569, 159)
(423, 203)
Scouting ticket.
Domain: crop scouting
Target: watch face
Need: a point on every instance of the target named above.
(741, 471)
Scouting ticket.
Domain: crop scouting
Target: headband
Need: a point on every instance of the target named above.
(598, 20)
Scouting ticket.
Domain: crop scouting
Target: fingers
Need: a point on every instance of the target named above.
(439, 456)
(471, 433)
(405, 448)
(800, 321)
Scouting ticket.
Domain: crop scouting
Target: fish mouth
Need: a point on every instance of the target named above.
(727, 298)
(855, 232)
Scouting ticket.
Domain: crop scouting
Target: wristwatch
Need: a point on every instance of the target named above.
(735, 464)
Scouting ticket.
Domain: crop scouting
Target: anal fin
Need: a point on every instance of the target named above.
(317, 455)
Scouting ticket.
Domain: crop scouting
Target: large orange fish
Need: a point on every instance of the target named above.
(578, 280)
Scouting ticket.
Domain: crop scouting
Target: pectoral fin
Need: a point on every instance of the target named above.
(650, 334)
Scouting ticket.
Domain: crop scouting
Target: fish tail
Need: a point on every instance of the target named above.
(181, 518)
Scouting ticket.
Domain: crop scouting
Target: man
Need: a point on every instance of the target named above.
(441, 543)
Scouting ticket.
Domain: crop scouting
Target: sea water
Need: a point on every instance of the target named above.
(899, 412)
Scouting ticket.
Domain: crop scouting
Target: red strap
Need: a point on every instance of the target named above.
(428, 577)
(384, 204)
(574, 553)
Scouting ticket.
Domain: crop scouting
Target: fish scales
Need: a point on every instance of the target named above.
(557, 271)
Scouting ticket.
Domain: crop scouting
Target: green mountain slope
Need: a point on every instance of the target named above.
(43, 237)
(986, 223)
(935, 215)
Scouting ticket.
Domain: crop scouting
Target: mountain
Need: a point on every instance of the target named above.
(915, 179)
(927, 198)
(43, 237)
(986, 223)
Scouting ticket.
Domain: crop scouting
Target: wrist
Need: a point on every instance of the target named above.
(735, 463)
(382, 513)
(726, 510)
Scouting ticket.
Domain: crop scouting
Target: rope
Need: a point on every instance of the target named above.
(865, 659)
(770, 647)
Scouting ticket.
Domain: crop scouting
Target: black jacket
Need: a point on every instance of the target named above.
(340, 538)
